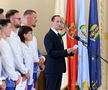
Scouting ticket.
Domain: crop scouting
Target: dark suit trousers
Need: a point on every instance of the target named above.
(53, 81)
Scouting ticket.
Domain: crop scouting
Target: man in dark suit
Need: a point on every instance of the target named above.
(55, 63)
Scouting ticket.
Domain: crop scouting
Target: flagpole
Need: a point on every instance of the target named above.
(86, 45)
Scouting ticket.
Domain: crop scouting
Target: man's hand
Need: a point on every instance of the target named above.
(42, 67)
(18, 81)
(41, 63)
(73, 49)
(25, 76)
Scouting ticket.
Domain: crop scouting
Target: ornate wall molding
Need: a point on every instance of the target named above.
(104, 42)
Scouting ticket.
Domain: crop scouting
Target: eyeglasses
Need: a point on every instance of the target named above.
(17, 18)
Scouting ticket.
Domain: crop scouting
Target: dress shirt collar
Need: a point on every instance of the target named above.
(55, 31)
(13, 33)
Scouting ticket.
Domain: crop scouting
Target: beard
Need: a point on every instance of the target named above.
(17, 26)
(33, 25)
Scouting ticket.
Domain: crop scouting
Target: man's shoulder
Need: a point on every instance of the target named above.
(50, 33)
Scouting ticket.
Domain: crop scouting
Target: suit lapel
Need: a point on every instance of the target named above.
(58, 38)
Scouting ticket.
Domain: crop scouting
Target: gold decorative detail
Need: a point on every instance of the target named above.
(84, 30)
(94, 32)
(85, 85)
(72, 29)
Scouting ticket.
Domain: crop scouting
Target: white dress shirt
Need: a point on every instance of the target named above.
(15, 43)
(8, 60)
(55, 31)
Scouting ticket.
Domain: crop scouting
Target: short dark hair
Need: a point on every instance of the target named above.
(23, 30)
(53, 17)
(4, 22)
(1, 10)
(11, 13)
(28, 12)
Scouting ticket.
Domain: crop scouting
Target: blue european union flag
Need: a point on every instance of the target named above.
(94, 47)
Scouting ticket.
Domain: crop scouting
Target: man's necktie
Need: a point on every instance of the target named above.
(60, 38)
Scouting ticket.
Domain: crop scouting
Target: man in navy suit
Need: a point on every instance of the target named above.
(55, 63)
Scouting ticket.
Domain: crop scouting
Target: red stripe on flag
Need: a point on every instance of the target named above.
(72, 61)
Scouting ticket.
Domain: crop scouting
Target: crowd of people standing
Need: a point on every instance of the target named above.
(20, 57)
